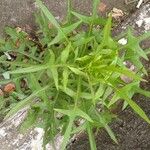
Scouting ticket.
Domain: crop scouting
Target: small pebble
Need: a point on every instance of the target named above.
(122, 41)
(10, 87)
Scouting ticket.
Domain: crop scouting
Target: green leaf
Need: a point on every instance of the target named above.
(52, 19)
(75, 112)
(125, 104)
(107, 39)
(26, 102)
(107, 30)
(144, 36)
(95, 5)
(47, 13)
(126, 72)
(67, 134)
(107, 93)
(134, 106)
(71, 27)
(133, 45)
(68, 11)
(141, 52)
(35, 85)
(20, 64)
(60, 36)
(84, 58)
(77, 71)
(89, 20)
(91, 137)
(55, 76)
(29, 121)
(65, 77)
(81, 17)
(81, 128)
(82, 41)
(53, 68)
(100, 91)
(2, 102)
(26, 54)
(52, 58)
(79, 112)
(143, 92)
(68, 91)
(11, 32)
(114, 99)
(65, 53)
(63, 111)
(104, 119)
(76, 52)
(86, 95)
(111, 134)
(29, 69)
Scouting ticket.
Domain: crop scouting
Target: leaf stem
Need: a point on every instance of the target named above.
(78, 92)
(91, 137)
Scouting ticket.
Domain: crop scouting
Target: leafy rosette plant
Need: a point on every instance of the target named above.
(70, 78)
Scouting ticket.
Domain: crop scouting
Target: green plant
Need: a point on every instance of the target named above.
(71, 75)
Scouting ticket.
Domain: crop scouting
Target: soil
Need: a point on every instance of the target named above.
(131, 131)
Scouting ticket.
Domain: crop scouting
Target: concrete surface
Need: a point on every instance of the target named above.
(20, 12)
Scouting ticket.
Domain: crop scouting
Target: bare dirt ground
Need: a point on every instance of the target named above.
(131, 131)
